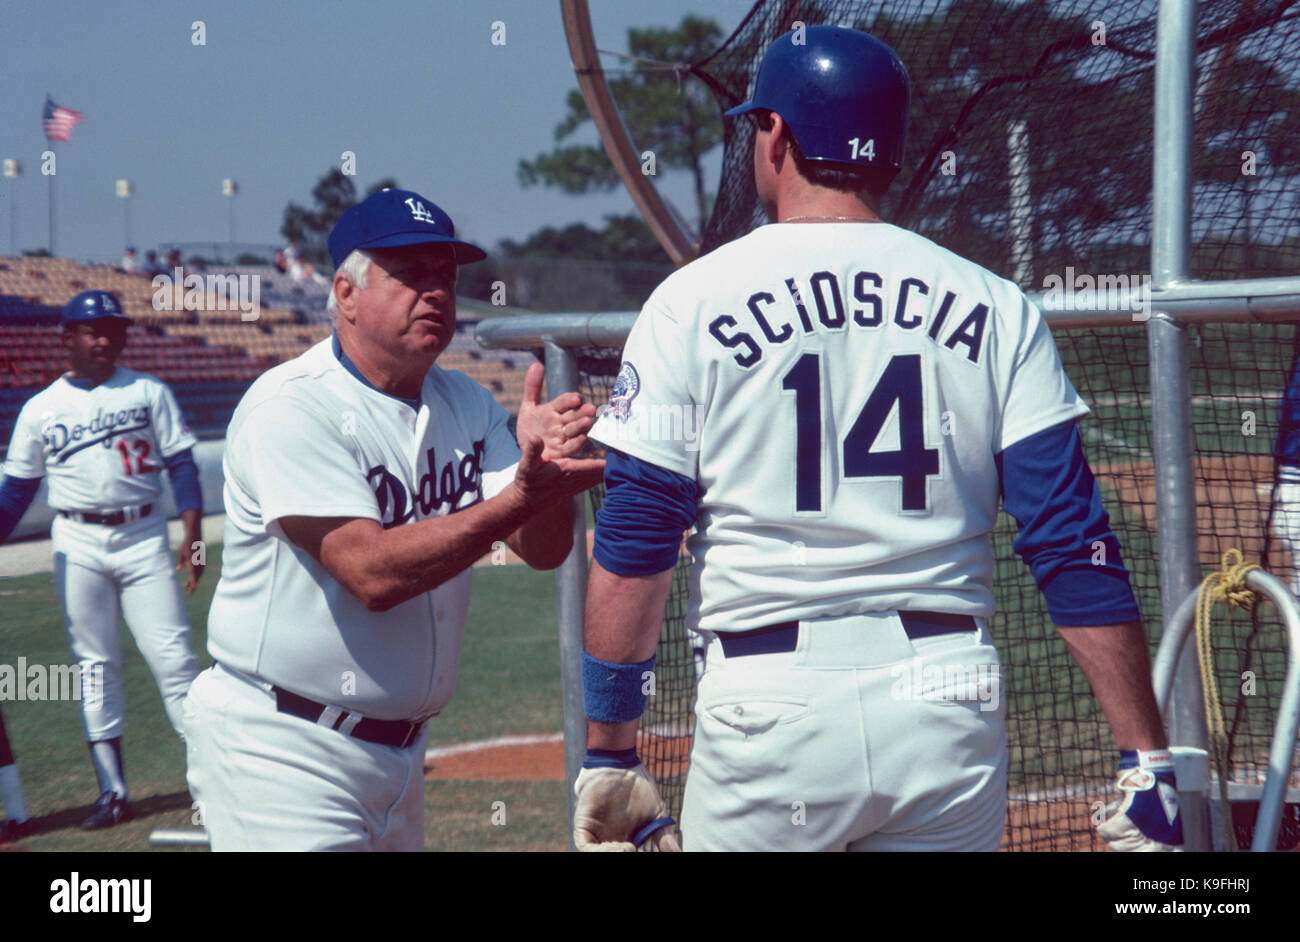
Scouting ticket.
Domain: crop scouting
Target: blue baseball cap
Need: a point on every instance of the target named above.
(93, 306)
(393, 218)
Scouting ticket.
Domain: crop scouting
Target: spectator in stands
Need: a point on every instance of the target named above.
(129, 261)
(281, 265)
(174, 258)
(151, 264)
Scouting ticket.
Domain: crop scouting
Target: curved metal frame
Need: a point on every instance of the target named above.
(613, 133)
(1173, 644)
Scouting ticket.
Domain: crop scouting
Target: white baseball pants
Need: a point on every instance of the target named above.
(861, 739)
(266, 780)
(99, 571)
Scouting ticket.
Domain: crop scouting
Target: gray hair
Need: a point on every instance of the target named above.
(356, 269)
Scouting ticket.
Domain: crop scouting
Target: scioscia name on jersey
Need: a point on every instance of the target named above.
(778, 313)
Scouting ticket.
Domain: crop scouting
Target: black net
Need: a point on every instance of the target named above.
(1064, 92)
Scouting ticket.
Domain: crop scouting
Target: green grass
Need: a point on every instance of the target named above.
(509, 683)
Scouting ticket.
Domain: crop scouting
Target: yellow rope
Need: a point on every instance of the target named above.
(1227, 585)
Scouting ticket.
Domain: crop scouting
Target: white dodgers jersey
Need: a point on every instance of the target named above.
(839, 392)
(101, 449)
(311, 439)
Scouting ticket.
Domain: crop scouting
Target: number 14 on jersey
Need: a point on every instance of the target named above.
(912, 462)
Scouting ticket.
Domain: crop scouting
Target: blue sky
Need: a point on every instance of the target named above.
(414, 88)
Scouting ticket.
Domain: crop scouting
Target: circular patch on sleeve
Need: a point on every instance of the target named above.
(626, 387)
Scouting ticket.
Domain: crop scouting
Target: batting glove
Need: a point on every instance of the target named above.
(1146, 818)
(617, 806)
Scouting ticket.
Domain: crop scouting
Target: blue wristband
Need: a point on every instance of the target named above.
(613, 693)
(611, 759)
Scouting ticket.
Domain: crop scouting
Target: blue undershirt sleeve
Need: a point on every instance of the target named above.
(1065, 535)
(16, 495)
(646, 509)
(184, 474)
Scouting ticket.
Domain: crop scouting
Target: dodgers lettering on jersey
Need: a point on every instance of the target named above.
(457, 480)
(101, 448)
(839, 392)
(311, 439)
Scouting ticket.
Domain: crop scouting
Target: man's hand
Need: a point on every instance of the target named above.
(550, 434)
(561, 424)
(618, 809)
(190, 555)
(1146, 818)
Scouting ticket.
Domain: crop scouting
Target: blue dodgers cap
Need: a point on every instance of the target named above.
(393, 218)
(93, 306)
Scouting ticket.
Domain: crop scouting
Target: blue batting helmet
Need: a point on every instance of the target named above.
(843, 94)
(93, 306)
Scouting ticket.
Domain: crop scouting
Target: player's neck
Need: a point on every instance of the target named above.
(94, 375)
(799, 201)
(386, 373)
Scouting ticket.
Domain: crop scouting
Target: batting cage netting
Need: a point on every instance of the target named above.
(1029, 151)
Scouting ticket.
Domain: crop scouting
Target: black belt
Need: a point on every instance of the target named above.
(783, 638)
(115, 519)
(399, 733)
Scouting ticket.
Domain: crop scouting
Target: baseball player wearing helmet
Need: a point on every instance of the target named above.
(362, 482)
(862, 399)
(103, 434)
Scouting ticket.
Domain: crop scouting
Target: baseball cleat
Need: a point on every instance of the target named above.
(109, 810)
(15, 830)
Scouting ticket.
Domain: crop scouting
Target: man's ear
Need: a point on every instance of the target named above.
(345, 293)
(777, 145)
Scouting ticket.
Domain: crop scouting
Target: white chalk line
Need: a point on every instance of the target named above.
(499, 742)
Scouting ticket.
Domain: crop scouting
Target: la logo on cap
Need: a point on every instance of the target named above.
(418, 212)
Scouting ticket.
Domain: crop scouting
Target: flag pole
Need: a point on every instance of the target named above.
(50, 177)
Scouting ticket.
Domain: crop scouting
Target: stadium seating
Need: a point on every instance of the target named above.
(208, 357)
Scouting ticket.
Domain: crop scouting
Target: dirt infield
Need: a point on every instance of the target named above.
(1232, 500)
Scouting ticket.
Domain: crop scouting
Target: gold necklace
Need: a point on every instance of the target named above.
(830, 218)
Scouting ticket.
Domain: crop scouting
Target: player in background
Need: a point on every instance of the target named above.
(866, 397)
(103, 434)
(1286, 498)
(16, 824)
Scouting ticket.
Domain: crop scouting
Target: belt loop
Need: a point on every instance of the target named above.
(349, 724)
(329, 716)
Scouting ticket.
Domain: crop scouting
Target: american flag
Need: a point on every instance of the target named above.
(59, 121)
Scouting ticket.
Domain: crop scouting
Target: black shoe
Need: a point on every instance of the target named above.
(14, 830)
(109, 810)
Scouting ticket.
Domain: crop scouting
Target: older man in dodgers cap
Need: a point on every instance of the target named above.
(361, 483)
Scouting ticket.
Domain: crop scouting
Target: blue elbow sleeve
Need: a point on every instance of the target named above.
(646, 509)
(184, 474)
(1065, 535)
(16, 495)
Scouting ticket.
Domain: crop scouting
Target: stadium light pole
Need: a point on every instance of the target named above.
(12, 170)
(229, 188)
(124, 194)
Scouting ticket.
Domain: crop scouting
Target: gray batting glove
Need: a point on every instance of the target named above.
(619, 809)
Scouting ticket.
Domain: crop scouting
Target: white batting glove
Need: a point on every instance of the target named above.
(619, 809)
(1146, 819)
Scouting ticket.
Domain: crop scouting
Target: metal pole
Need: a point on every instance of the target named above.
(1171, 402)
(571, 592)
(1173, 652)
(50, 177)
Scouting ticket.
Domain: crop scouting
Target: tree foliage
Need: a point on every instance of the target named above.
(334, 194)
(667, 111)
